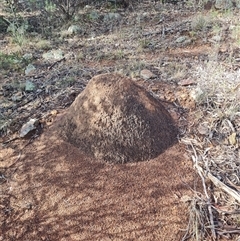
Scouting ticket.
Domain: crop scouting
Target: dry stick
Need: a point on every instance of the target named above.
(223, 186)
(208, 201)
(58, 61)
(185, 237)
(212, 226)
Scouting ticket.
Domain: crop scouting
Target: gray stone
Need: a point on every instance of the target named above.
(74, 29)
(93, 15)
(187, 42)
(53, 55)
(216, 38)
(29, 69)
(28, 56)
(147, 74)
(181, 39)
(28, 127)
(29, 86)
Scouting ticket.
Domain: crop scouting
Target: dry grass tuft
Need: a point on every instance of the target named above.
(198, 225)
(214, 143)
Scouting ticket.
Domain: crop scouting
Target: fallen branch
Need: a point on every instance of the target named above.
(200, 172)
(224, 187)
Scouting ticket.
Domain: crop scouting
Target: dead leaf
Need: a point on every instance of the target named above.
(232, 138)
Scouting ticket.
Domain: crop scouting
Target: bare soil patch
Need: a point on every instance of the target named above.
(54, 192)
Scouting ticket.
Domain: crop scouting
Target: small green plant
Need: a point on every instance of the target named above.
(136, 66)
(18, 32)
(214, 14)
(12, 62)
(80, 56)
(101, 56)
(50, 7)
(216, 29)
(17, 26)
(68, 8)
(92, 16)
(43, 44)
(144, 43)
(199, 23)
(3, 24)
(236, 34)
(228, 13)
(119, 54)
(4, 124)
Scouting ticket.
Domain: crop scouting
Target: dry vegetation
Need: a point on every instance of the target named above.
(148, 35)
(214, 146)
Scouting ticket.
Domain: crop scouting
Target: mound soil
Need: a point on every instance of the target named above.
(116, 120)
(55, 192)
(51, 190)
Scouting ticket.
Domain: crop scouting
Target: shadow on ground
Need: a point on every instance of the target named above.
(54, 192)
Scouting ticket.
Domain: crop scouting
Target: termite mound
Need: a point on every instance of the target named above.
(117, 120)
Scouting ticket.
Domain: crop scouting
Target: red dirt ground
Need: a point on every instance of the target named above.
(54, 192)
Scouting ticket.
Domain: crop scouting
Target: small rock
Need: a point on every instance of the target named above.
(155, 89)
(215, 39)
(186, 82)
(17, 97)
(28, 127)
(93, 16)
(74, 29)
(29, 69)
(147, 74)
(54, 112)
(87, 7)
(28, 56)
(29, 86)
(181, 39)
(224, 48)
(53, 55)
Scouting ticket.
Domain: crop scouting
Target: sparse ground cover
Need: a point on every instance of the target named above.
(194, 57)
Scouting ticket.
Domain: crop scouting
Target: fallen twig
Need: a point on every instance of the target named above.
(200, 172)
(223, 186)
(56, 62)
